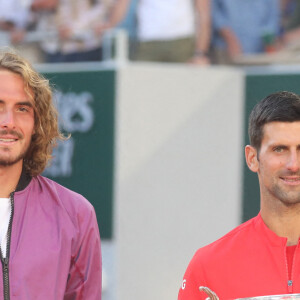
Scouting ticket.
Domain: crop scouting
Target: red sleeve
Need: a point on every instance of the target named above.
(192, 280)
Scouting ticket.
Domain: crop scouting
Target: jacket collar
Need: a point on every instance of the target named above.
(267, 233)
(24, 180)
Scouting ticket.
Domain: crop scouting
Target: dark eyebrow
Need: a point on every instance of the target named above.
(278, 146)
(26, 103)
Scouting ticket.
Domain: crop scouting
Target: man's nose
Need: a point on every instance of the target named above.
(294, 162)
(7, 119)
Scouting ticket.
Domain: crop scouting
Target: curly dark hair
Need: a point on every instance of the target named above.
(45, 114)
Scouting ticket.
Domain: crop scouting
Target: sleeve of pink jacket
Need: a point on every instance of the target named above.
(85, 276)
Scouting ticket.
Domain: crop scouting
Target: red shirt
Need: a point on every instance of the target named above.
(249, 261)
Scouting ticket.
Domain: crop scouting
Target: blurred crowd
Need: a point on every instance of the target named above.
(191, 31)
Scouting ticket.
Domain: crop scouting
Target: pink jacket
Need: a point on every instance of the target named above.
(55, 244)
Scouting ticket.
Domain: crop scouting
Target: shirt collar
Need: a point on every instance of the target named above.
(267, 233)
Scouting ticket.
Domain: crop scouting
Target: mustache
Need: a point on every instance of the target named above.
(12, 132)
(289, 173)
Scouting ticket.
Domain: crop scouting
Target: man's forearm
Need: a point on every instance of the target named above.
(203, 30)
(117, 12)
(232, 42)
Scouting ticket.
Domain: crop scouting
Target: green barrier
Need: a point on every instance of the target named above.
(258, 87)
(84, 163)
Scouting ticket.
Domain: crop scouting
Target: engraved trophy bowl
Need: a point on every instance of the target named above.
(274, 297)
(213, 296)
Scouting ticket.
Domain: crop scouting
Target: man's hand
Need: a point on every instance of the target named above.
(201, 60)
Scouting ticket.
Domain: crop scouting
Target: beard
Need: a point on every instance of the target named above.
(9, 161)
(287, 198)
(6, 159)
(286, 195)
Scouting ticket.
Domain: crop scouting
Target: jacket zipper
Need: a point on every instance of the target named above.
(290, 281)
(5, 261)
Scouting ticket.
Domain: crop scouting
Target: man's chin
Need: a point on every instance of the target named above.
(286, 195)
(290, 200)
(10, 161)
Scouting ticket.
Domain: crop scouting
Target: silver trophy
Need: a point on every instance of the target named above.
(213, 296)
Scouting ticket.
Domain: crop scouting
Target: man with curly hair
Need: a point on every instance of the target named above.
(49, 237)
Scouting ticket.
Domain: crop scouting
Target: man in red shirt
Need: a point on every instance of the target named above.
(262, 256)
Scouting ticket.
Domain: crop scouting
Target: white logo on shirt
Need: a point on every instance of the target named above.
(183, 284)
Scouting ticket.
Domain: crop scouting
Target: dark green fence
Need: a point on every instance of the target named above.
(84, 163)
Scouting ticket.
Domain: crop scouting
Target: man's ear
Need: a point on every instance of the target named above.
(251, 158)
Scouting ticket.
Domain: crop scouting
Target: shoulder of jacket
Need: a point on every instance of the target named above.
(68, 198)
(236, 235)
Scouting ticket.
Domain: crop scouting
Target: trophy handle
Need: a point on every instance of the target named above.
(212, 295)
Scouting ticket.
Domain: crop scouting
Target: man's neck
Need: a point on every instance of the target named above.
(9, 178)
(285, 222)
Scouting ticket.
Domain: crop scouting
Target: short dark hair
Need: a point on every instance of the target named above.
(277, 107)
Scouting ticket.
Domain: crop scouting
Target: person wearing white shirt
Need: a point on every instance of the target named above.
(78, 25)
(173, 31)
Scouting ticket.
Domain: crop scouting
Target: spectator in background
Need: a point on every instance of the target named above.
(287, 9)
(291, 26)
(243, 27)
(13, 15)
(173, 31)
(79, 24)
(14, 19)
